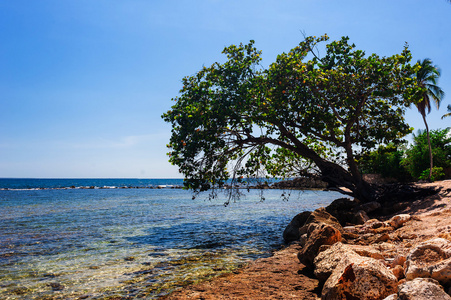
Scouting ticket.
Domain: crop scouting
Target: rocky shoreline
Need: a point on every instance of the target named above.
(405, 255)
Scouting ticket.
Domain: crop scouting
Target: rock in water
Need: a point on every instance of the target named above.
(291, 232)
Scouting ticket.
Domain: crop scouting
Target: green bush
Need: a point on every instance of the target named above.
(386, 161)
(437, 174)
(416, 159)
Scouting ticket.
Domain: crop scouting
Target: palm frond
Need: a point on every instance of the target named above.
(427, 77)
(449, 112)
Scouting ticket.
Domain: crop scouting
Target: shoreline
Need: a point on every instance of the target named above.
(282, 276)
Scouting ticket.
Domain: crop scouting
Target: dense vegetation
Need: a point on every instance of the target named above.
(410, 163)
(305, 114)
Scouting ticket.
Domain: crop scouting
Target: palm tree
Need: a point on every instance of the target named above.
(448, 113)
(427, 77)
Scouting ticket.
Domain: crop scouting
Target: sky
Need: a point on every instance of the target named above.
(83, 83)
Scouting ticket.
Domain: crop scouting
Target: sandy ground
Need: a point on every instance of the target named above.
(283, 277)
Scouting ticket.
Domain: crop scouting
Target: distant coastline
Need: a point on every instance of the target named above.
(135, 183)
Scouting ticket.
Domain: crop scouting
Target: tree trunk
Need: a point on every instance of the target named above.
(338, 177)
(431, 162)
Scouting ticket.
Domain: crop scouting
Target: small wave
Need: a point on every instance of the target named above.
(94, 188)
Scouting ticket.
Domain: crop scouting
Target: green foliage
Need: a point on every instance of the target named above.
(427, 77)
(386, 161)
(238, 119)
(417, 156)
(437, 173)
(448, 113)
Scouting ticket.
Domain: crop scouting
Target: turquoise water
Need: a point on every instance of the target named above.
(112, 242)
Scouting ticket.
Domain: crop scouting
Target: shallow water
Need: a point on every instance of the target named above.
(100, 243)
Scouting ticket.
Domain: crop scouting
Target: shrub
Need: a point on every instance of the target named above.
(437, 174)
(416, 159)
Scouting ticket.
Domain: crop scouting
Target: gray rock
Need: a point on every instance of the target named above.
(422, 289)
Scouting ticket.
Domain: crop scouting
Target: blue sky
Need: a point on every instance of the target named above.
(83, 83)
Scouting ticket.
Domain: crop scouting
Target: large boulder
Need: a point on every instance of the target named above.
(342, 209)
(326, 262)
(422, 289)
(308, 221)
(430, 259)
(291, 232)
(320, 228)
(357, 277)
(322, 234)
(320, 216)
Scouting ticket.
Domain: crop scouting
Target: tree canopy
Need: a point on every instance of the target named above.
(304, 114)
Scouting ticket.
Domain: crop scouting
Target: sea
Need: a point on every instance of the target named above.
(132, 238)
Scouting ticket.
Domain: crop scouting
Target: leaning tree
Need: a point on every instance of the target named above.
(304, 114)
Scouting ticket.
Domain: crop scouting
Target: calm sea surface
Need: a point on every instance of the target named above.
(95, 239)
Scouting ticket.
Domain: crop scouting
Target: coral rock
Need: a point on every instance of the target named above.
(398, 220)
(321, 216)
(323, 235)
(430, 259)
(422, 289)
(326, 262)
(367, 251)
(398, 271)
(361, 278)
